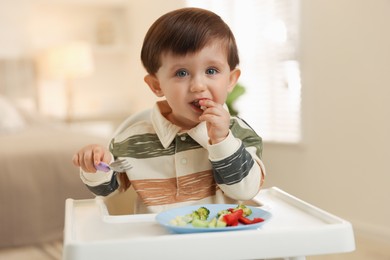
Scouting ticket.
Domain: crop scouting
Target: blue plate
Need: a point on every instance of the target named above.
(164, 218)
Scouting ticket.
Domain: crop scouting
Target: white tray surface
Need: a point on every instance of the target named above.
(295, 228)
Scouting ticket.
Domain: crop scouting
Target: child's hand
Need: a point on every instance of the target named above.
(217, 120)
(91, 155)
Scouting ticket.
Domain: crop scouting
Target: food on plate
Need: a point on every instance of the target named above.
(200, 214)
(224, 218)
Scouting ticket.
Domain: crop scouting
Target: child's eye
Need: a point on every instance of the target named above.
(181, 73)
(211, 71)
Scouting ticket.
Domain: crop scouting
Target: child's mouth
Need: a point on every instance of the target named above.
(196, 104)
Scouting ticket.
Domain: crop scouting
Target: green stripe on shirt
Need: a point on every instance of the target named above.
(148, 145)
(247, 135)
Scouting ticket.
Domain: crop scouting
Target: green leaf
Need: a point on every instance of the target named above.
(237, 91)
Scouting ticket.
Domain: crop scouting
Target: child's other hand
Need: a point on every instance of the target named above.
(217, 120)
(90, 155)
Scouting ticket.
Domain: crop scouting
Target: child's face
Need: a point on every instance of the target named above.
(184, 80)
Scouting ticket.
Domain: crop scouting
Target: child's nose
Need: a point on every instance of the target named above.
(197, 84)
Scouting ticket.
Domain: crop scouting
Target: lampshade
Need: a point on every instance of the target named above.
(67, 61)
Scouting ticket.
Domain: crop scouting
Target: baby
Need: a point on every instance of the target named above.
(187, 149)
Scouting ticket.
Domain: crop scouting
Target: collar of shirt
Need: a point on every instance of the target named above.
(166, 131)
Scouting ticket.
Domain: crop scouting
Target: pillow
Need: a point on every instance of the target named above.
(10, 119)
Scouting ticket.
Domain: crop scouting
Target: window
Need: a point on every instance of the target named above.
(266, 32)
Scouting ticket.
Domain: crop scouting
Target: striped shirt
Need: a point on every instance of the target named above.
(172, 168)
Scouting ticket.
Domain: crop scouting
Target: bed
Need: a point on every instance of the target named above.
(36, 176)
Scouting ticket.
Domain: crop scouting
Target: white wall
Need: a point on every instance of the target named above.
(342, 164)
(141, 16)
(13, 18)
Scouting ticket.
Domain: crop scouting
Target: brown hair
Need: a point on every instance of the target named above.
(183, 31)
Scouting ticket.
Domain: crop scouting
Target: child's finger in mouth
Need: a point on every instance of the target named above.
(204, 104)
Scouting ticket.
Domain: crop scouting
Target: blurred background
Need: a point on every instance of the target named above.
(75, 63)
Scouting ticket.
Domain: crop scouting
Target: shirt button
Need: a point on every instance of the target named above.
(183, 138)
(183, 161)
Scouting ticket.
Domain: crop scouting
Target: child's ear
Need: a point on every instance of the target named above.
(234, 76)
(154, 85)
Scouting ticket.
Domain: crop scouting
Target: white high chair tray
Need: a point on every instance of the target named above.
(296, 229)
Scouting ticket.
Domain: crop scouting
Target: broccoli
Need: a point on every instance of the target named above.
(246, 211)
(203, 213)
(193, 215)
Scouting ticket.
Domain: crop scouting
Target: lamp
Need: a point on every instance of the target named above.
(67, 62)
